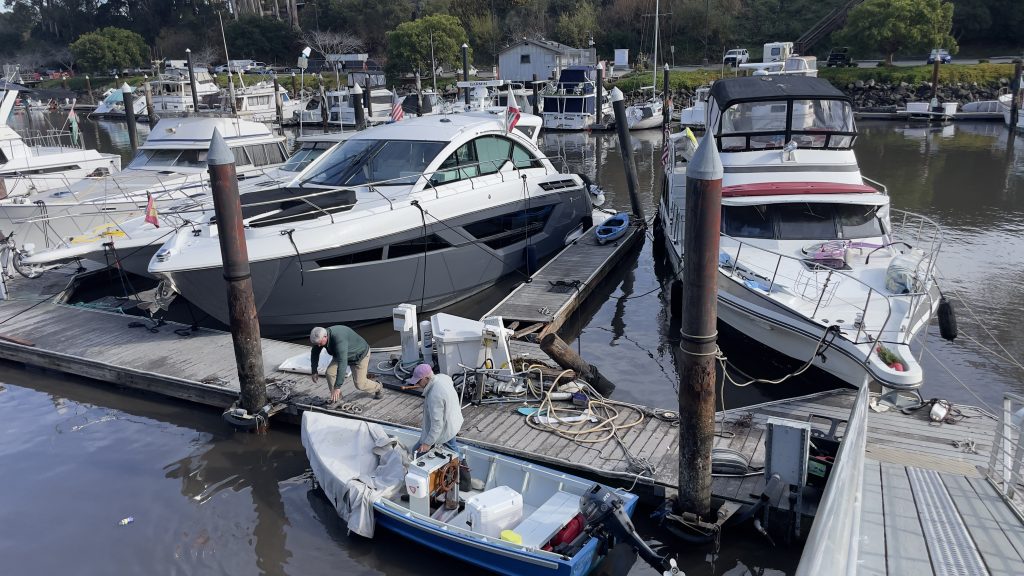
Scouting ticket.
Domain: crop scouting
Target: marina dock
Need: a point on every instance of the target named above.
(914, 475)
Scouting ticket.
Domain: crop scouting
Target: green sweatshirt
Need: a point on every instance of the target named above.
(343, 344)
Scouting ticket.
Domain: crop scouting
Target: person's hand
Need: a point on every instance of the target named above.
(315, 377)
(423, 449)
(336, 395)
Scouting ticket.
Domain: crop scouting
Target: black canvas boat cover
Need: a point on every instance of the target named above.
(768, 88)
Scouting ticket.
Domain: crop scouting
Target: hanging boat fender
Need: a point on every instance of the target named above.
(947, 319)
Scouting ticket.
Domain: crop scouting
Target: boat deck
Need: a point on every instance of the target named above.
(558, 288)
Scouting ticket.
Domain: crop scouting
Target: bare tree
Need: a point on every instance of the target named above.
(65, 57)
(206, 55)
(327, 43)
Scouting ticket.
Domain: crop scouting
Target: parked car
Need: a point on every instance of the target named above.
(735, 57)
(940, 54)
(839, 57)
(258, 68)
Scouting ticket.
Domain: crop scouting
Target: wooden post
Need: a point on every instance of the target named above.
(356, 95)
(665, 112)
(295, 86)
(366, 100)
(565, 357)
(325, 113)
(245, 328)
(699, 336)
(465, 71)
(599, 110)
(626, 148)
(1016, 86)
(536, 98)
(231, 95)
(935, 77)
(150, 112)
(192, 81)
(129, 113)
(277, 102)
(88, 90)
(419, 94)
(64, 80)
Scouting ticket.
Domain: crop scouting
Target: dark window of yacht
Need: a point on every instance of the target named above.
(307, 153)
(192, 158)
(3, 157)
(527, 130)
(524, 58)
(380, 162)
(747, 222)
(805, 221)
(506, 229)
(275, 153)
(522, 158)
(258, 154)
(372, 255)
(858, 221)
(241, 158)
(493, 152)
(462, 164)
(416, 246)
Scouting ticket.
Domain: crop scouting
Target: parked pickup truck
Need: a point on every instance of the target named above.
(840, 57)
(735, 57)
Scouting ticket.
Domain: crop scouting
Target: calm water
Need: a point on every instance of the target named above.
(77, 457)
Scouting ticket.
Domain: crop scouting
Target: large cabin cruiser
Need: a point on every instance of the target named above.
(427, 210)
(570, 103)
(170, 167)
(812, 257)
(40, 162)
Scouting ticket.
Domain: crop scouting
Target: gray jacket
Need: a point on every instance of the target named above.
(442, 414)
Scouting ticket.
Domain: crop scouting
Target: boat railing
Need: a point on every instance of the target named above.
(579, 88)
(834, 541)
(53, 138)
(1004, 466)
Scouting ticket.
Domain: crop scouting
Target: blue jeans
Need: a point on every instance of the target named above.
(451, 445)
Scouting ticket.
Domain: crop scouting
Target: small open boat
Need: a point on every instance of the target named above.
(613, 228)
(518, 518)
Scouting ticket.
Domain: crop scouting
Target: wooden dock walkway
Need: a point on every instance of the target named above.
(558, 288)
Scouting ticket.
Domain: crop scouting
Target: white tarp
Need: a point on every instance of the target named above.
(356, 463)
(299, 364)
(622, 57)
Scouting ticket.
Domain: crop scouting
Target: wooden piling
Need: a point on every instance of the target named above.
(88, 90)
(129, 113)
(356, 95)
(465, 71)
(295, 86)
(598, 108)
(666, 100)
(325, 112)
(935, 77)
(1017, 87)
(366, 100)
(536, 97)
(64, 81)
(562, 354)
(626, 147)
(231, 95)
(150, 112)
(419, 94)
(277, 102)
(192, 81)
(699, 336)
(245, 328)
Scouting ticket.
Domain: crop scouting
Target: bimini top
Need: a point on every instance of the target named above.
(729, 91)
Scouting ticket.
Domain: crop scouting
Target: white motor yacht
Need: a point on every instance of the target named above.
(695, 115)
(342, 113)
(40, 162)
(428, 210)
(256, 102)
(1005, 102)
(645, 112)
(813, 263)
(132, 243)
(172, 91)
(170, 167)
(112, 105)
(570, 103)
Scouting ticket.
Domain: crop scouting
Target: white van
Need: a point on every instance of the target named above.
(777, 51)
(240, 65)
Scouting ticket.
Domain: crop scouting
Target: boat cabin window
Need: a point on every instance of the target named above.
(810, 123)
(166, 158)
(258, 154)
(380, 162)
(502, 231)
(485, 155)
(417, 246)
(304, 155)
(802, 221)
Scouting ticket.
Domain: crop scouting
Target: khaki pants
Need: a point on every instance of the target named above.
(358, 376)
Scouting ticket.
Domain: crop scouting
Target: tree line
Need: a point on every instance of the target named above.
(275, 30)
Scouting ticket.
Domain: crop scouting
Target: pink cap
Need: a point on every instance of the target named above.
(421, 371)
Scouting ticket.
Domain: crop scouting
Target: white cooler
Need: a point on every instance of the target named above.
(495, 510)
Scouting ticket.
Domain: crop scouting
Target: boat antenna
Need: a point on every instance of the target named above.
(654, 57)
(227, 58)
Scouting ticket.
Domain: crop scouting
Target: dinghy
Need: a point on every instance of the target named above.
(518, 518)
(613, 228)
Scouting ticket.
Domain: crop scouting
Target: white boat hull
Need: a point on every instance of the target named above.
(568, 120)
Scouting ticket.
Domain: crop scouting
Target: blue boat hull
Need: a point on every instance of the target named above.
(493, 557)
(613, 228)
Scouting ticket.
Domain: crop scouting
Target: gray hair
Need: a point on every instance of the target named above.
(317, 335)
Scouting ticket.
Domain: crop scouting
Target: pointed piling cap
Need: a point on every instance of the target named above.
(219, 153)
(356, 90)
(126, 88)
(706, 163)
(615, 95)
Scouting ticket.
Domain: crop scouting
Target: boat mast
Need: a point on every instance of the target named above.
(654, 58)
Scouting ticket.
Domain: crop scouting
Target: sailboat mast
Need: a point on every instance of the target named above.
(654, 58)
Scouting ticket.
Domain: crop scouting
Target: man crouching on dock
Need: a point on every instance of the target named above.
(344, 345)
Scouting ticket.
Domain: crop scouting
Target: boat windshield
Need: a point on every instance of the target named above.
(380, 162)
(802, 221)
(307, 153)
(167, 158)
(810, 123)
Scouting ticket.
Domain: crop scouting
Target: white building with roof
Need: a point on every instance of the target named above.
(520, 61)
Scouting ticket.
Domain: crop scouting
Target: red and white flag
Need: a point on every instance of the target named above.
(151, 211)
(511, 112)
(397, 113)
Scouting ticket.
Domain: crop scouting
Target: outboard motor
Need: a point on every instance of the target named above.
(602, 508)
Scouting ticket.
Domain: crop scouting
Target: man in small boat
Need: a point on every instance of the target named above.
(344, 345)
(442, 413)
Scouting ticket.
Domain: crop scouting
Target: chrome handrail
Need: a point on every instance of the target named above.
(1004, 466)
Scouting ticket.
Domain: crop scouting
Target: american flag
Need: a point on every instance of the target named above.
(512, 112)
(396, 109)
